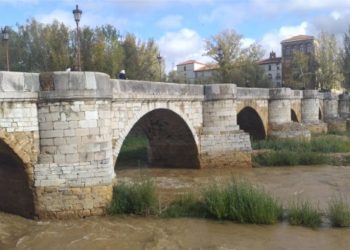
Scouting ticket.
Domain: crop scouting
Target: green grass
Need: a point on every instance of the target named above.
(339, 213)
(293, 152)
(290, 158)
(186, 205)
(319, 144)
(304, 213)
(138, 198)
(241, 202)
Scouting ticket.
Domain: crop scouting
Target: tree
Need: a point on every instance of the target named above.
(346, 59)
(329, 74)
(236, 64)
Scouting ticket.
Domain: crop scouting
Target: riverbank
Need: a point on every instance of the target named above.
(314, 183)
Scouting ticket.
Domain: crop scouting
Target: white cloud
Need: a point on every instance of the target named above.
(182, 45)
(170, 22)
(226, 15)
(272, 40)
(246, 42)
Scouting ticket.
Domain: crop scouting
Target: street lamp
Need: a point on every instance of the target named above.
(159, 58)
(77, 15)
(5, 39)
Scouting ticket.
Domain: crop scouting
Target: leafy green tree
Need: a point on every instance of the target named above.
(329, 74)
(236, 64)
(346, 60)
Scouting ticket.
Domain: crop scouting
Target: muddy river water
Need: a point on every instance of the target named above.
(317, 184)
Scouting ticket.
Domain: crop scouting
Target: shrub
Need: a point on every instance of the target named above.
(304, 213)
(139, 198)
(185, 206)
(240, 201)
(339, 213)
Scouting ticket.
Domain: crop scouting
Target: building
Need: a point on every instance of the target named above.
(192, 71)
(273, 69)
(301, 43)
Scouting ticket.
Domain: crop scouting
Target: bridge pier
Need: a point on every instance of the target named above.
(222, 144)
(280, 124)
(73, 177)
(331, 112)
(310, 108)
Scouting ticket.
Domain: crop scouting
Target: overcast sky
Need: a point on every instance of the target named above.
(180, 27)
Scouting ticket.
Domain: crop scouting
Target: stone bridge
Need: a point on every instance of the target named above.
(61, 132)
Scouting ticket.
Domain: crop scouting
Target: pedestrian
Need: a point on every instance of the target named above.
(122, 74)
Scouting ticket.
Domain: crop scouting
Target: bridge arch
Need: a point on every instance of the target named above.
(16, 194)
(249, 120)
(293, 116)
(172, 142)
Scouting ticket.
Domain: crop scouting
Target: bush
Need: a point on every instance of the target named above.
(339, 213)
(139, 198)
(290, 158)
(241, 202)
(303, 213)
(185, 206)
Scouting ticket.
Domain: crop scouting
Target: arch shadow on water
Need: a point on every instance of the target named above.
(293, 116)
(15, 194)
(249, 121)
(160, 138)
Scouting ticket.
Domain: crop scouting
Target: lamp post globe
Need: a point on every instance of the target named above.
(77, 16)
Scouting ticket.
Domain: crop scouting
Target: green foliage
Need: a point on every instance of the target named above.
(304, 213)
(329, 73)
(236, 64)
(38, 47)
(293, 152)
(138, 198)
(346, 60)
(242, 202)
(339, 213)
(185, 206)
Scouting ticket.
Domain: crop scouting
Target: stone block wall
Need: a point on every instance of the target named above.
(74, 174)
(222, 143)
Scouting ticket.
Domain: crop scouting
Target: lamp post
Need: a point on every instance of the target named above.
(5, 39)
(77, 15)
(221, 63)
(159, 58)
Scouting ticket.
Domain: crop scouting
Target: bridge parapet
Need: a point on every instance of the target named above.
(252, 93)
(131, 89)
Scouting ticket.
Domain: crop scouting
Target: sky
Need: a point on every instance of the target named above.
(181, 27)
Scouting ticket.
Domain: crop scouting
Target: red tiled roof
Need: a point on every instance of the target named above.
(298, 38)
(189, 62)
(271, 60)
(208, 67)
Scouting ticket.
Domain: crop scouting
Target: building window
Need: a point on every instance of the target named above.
(278, 76)
(287, 51)
(269, 67)
(269, 76)
(277, 66)
(302, 48)
(184, 68)
(309, 48)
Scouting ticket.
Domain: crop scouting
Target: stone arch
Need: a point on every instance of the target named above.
(172, 142)
(16, 194)
(249, 121)
(293, 116)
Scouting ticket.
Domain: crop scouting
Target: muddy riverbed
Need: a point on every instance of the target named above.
(317, 184)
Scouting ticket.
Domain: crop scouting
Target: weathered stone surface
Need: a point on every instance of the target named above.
(68, 128)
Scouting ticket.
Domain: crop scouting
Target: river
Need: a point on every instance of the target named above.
(317, 184)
